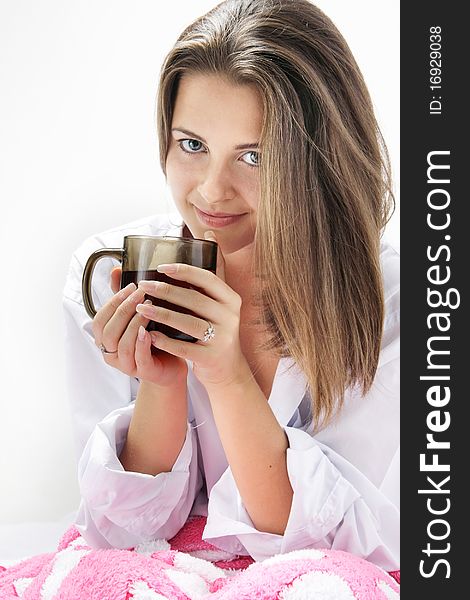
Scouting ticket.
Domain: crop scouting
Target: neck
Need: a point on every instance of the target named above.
(239, 270)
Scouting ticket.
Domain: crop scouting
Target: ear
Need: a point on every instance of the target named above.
(220, 270)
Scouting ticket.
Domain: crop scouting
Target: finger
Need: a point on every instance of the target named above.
(107, 311)
(117, 324)
(195, 301)
(143, 355)
(127, 342)
(116, 279)
(203, 279)
(186, 323)
(188, 350)
(220, 271)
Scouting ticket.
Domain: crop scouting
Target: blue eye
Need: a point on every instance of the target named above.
(253, 160)
(190, 146)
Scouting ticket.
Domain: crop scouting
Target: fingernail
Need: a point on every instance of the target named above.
(141, 333)
(147, 286)
(167, 268)
(135, 296)
(148, 301)
(143, 309)
(128, 288)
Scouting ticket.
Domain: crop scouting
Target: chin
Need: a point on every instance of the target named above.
(232, 245)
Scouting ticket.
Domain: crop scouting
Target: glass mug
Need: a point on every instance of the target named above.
(139, 258)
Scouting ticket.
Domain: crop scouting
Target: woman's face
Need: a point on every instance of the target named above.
(213, 158)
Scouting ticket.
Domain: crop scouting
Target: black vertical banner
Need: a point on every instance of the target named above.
(435, 234)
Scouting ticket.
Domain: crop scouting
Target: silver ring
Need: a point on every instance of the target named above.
(104, 351)
(209, 333)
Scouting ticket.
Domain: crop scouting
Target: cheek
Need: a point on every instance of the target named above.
(250, 190)
(178, 178)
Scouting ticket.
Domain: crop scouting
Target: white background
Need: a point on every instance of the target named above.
(78, 154)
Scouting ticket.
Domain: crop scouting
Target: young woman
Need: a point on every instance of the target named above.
(281, 424)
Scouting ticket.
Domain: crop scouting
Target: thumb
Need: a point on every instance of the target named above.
(220, 270)
(116, 279)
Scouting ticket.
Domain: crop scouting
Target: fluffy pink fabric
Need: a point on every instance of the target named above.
(185, 568)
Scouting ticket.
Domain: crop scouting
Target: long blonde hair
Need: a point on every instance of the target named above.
(325, 184)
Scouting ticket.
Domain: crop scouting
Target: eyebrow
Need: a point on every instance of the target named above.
(198, 137)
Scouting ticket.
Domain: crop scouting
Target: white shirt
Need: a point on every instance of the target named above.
(345, 478)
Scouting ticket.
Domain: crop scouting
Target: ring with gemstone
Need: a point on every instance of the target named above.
(104, 351)
(209, 333)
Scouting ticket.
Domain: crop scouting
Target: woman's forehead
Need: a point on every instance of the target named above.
(207, 102)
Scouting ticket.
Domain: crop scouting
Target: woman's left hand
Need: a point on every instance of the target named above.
(220, 360)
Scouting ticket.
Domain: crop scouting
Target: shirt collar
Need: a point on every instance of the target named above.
(177, 224)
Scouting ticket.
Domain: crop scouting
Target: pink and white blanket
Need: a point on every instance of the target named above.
(187, 568)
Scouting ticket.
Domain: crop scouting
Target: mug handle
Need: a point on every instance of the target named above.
(116, 253)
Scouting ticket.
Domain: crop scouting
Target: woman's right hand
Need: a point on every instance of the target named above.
(117, 325)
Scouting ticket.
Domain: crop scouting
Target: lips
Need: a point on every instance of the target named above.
(218, 215)
(217, 219)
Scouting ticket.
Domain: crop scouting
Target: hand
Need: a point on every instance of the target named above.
(220, 360)
(118, 327)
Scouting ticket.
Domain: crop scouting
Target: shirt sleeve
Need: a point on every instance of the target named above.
(333, 506)
(120, 509)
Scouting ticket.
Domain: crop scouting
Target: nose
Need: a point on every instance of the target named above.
(216, 184)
